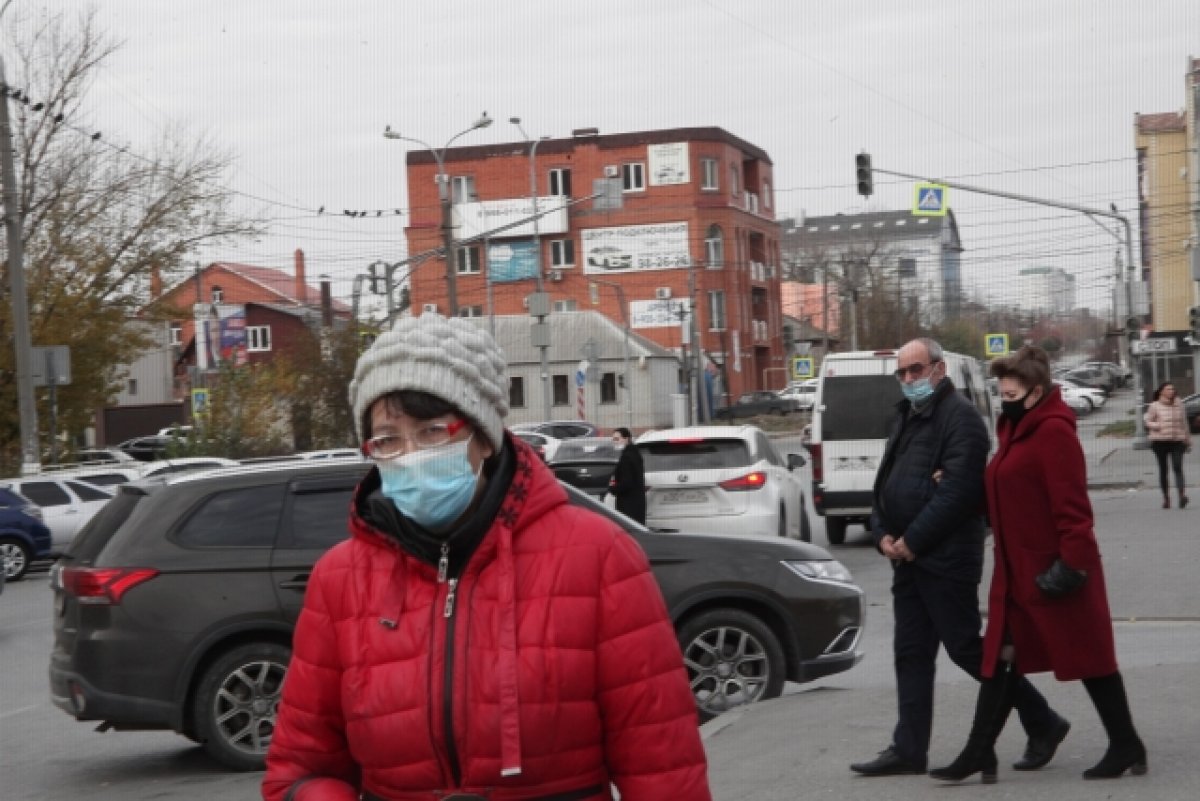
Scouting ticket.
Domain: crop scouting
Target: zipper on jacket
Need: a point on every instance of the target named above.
(448, 685)
(444, 563)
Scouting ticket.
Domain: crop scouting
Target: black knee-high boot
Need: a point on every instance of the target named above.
(1125, 749)
(995, 701)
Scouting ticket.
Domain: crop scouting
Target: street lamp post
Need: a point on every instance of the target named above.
(537, 257)
(625, 319)
(444, 198)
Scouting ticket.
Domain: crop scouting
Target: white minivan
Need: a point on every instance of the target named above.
(856, 401)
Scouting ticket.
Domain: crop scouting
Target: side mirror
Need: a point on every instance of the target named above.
(795, 460)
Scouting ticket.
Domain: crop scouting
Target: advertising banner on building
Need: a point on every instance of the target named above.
(660, 246)
(658, 313)
(484, 216)
(225, 336)
(668, 164)
(511, 261)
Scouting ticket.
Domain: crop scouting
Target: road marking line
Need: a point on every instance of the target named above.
(14, 712)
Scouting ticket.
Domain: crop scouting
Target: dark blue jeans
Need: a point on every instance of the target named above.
(932, 610)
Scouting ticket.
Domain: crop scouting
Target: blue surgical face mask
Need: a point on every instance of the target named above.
(431, 487)
(918, 391)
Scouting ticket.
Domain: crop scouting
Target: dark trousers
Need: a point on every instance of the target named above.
(1162, 449)
(932, 610)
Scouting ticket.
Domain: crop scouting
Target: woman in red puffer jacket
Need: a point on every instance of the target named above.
(477, 636)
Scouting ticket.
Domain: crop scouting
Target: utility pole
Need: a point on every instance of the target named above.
(14, 228)
(543, 343)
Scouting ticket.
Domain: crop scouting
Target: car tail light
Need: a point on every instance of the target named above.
(103, 585)
(750, 481)
(818, 467)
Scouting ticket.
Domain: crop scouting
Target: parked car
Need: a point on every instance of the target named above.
(544, 444)
(67, 503)
(175, 607)
(1191, 408)
(1091, 377)
(103, 456)
(586, 463)
(24, 538)
(1081, 398)
(559, 429)
(802, 392)
(722, 479)
(758, 402)
(148, 449)
(1121, 374)
(185, 464)
(106, 475)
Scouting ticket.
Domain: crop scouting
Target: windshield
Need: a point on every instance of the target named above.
(705, 454)
(858, 407)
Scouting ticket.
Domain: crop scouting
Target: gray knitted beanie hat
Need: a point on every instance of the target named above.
(453, 359)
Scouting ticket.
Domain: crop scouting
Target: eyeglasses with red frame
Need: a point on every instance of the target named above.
(428, 434)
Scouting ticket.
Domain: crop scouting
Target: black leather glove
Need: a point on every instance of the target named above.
(1060, 580)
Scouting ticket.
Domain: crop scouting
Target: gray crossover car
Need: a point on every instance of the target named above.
(174, 607)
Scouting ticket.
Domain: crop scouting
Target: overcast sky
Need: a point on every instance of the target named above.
(1030, 96)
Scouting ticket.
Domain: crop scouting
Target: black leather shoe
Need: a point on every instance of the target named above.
(1040, 749)
(888, 763)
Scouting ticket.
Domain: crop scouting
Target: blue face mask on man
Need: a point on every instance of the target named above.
(432, 487)
(918, 391)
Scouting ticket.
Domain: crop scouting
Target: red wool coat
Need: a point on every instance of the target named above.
(557, 669)
(1040, 511)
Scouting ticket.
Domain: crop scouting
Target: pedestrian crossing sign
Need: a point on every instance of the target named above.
(802, 367)
(996, 345)
(930, 201)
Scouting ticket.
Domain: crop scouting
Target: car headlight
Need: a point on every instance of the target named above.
(823, 570)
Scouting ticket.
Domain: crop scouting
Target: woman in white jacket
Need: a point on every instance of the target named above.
(1167, 424)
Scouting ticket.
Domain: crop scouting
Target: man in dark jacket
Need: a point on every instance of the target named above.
(928, 519)
(628, 484)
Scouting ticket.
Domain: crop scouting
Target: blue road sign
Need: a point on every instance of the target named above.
(930, 201)
(996, 344)
(802, 367)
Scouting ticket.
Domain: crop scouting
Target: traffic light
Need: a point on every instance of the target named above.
(1194, 321)
(862, 170)
(377, 278)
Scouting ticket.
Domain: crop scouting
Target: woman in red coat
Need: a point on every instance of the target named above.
(1047, 607)
(477, 636)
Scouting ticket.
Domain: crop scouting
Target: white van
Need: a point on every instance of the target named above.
(856, 402)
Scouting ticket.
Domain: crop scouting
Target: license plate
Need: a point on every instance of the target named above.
(682, 496)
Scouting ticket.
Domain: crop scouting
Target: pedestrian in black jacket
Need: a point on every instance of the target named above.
(927, 518)
(628, 482)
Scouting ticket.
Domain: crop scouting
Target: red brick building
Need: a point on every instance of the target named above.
(696, 226)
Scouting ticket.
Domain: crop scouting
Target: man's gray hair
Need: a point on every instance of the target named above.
(932, 348)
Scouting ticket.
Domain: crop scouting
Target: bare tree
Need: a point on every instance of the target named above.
(99, 218)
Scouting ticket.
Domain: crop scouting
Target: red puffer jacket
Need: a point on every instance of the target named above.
(548, 671)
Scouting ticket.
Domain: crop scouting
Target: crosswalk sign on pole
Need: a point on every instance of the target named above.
(802, 367)
(995, 345)
(930, 201)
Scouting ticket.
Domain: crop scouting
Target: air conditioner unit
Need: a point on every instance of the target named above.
(429, 307)
(554, 275)
(662, 292)
(612, 171)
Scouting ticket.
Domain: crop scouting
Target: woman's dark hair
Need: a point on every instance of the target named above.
(624, 432)
(1030, 366)
(420, 405)
(1161, 387)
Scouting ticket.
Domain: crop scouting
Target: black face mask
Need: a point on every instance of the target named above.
(1014, 410)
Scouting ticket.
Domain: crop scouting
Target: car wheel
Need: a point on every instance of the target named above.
(732, 659)
(835, 530)
(805, 526)
(782, 529)
(237, 701)
(14, 558)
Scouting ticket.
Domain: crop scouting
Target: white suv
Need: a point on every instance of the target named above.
(722, 480)
(67, 503)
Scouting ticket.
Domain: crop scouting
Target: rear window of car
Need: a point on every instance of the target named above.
(858, 407)
(704, 454)
(570, 450)
(245, 518)
(96, 533)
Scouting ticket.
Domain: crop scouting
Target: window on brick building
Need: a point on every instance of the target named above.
(218, 294)
(558, 388)
(562, 252)
(714, 246)
(566, 305)
(633, 177)
(470, 311)
(258, 338)
(716, 311)
(560, 181)
(516, 392)
(467, 260)
(734, 181)
(766, 195)
(176, 333)
(462, 188)
(710, 174)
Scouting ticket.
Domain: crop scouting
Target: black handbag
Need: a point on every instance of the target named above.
(1060, 580)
